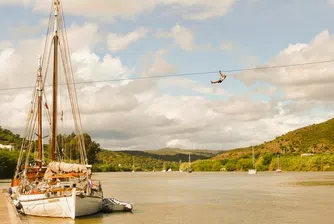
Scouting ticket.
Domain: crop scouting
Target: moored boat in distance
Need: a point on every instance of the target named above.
(189, 170)
(278, 170)
(253, 170)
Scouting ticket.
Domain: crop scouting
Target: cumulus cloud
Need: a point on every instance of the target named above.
(178, 112)
(117, 42)
(183, 36)
(16, 2)
(312, 82)
(5, 44)
(199, 9)
(129, 9)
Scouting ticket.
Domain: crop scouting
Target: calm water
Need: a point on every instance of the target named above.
(220, 197)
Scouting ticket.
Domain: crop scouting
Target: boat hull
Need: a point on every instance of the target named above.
(69, 206)
(252, 171)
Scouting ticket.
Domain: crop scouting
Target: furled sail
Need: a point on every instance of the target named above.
(60, 167)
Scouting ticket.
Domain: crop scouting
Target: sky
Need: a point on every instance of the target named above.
(127, 39)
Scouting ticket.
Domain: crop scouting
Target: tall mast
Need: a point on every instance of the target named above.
(39, 112)
(278, 161)
(55, 82)
(253, 156)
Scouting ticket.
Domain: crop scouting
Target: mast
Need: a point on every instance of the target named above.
(253, 157)
(278, 162)
(55, 83)
(39, 112)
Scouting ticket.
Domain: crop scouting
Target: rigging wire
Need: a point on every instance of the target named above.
(181, 74)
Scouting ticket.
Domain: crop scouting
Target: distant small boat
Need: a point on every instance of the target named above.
(189, 170)
(252, 171)
(180, 170)
(114, 205)
(278, 170)
(164, 169)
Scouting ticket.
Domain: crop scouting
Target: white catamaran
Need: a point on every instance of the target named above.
(54, 188)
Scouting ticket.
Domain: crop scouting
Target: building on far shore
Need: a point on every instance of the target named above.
(306, 154)
(10, 147)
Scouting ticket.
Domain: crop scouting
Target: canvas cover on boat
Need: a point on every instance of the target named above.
(60, 167)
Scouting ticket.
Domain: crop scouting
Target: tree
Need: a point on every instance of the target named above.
(92, 149)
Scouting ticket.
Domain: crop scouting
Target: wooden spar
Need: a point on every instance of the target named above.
(55, 85)
(39, 114)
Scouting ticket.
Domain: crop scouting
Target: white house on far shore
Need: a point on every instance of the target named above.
(10, 147)
(306, 154)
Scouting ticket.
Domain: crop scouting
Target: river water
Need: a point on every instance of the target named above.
(217, 197)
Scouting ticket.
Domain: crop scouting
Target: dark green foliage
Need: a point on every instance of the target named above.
(92, 149)
(206, 165)
(7, 137)
(124, 161)
(173, 154)
(7, 163)
(231, 165)
(244, 164)
(69, 145)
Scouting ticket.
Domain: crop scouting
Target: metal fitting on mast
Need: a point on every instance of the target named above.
(56, 5)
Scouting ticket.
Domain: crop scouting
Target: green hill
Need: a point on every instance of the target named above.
(174, 154)
(113, 161)
(316, 139)
(9, 138)
(148, 160)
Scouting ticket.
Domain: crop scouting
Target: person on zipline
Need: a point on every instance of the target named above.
(223, 76)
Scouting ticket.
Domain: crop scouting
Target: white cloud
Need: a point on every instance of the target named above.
(199, 9)
(5, 44)
(15, 2)
(82, 36)
(312, 82)
(184, 37)
(129, 9)
(330, 2)
(117, 42)
(141, 114)
(189, 84)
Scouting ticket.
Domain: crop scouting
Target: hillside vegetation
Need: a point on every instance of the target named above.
(9, 138)
(316, 139)
(148, 160)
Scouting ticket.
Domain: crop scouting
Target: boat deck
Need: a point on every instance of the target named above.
(8, 213)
